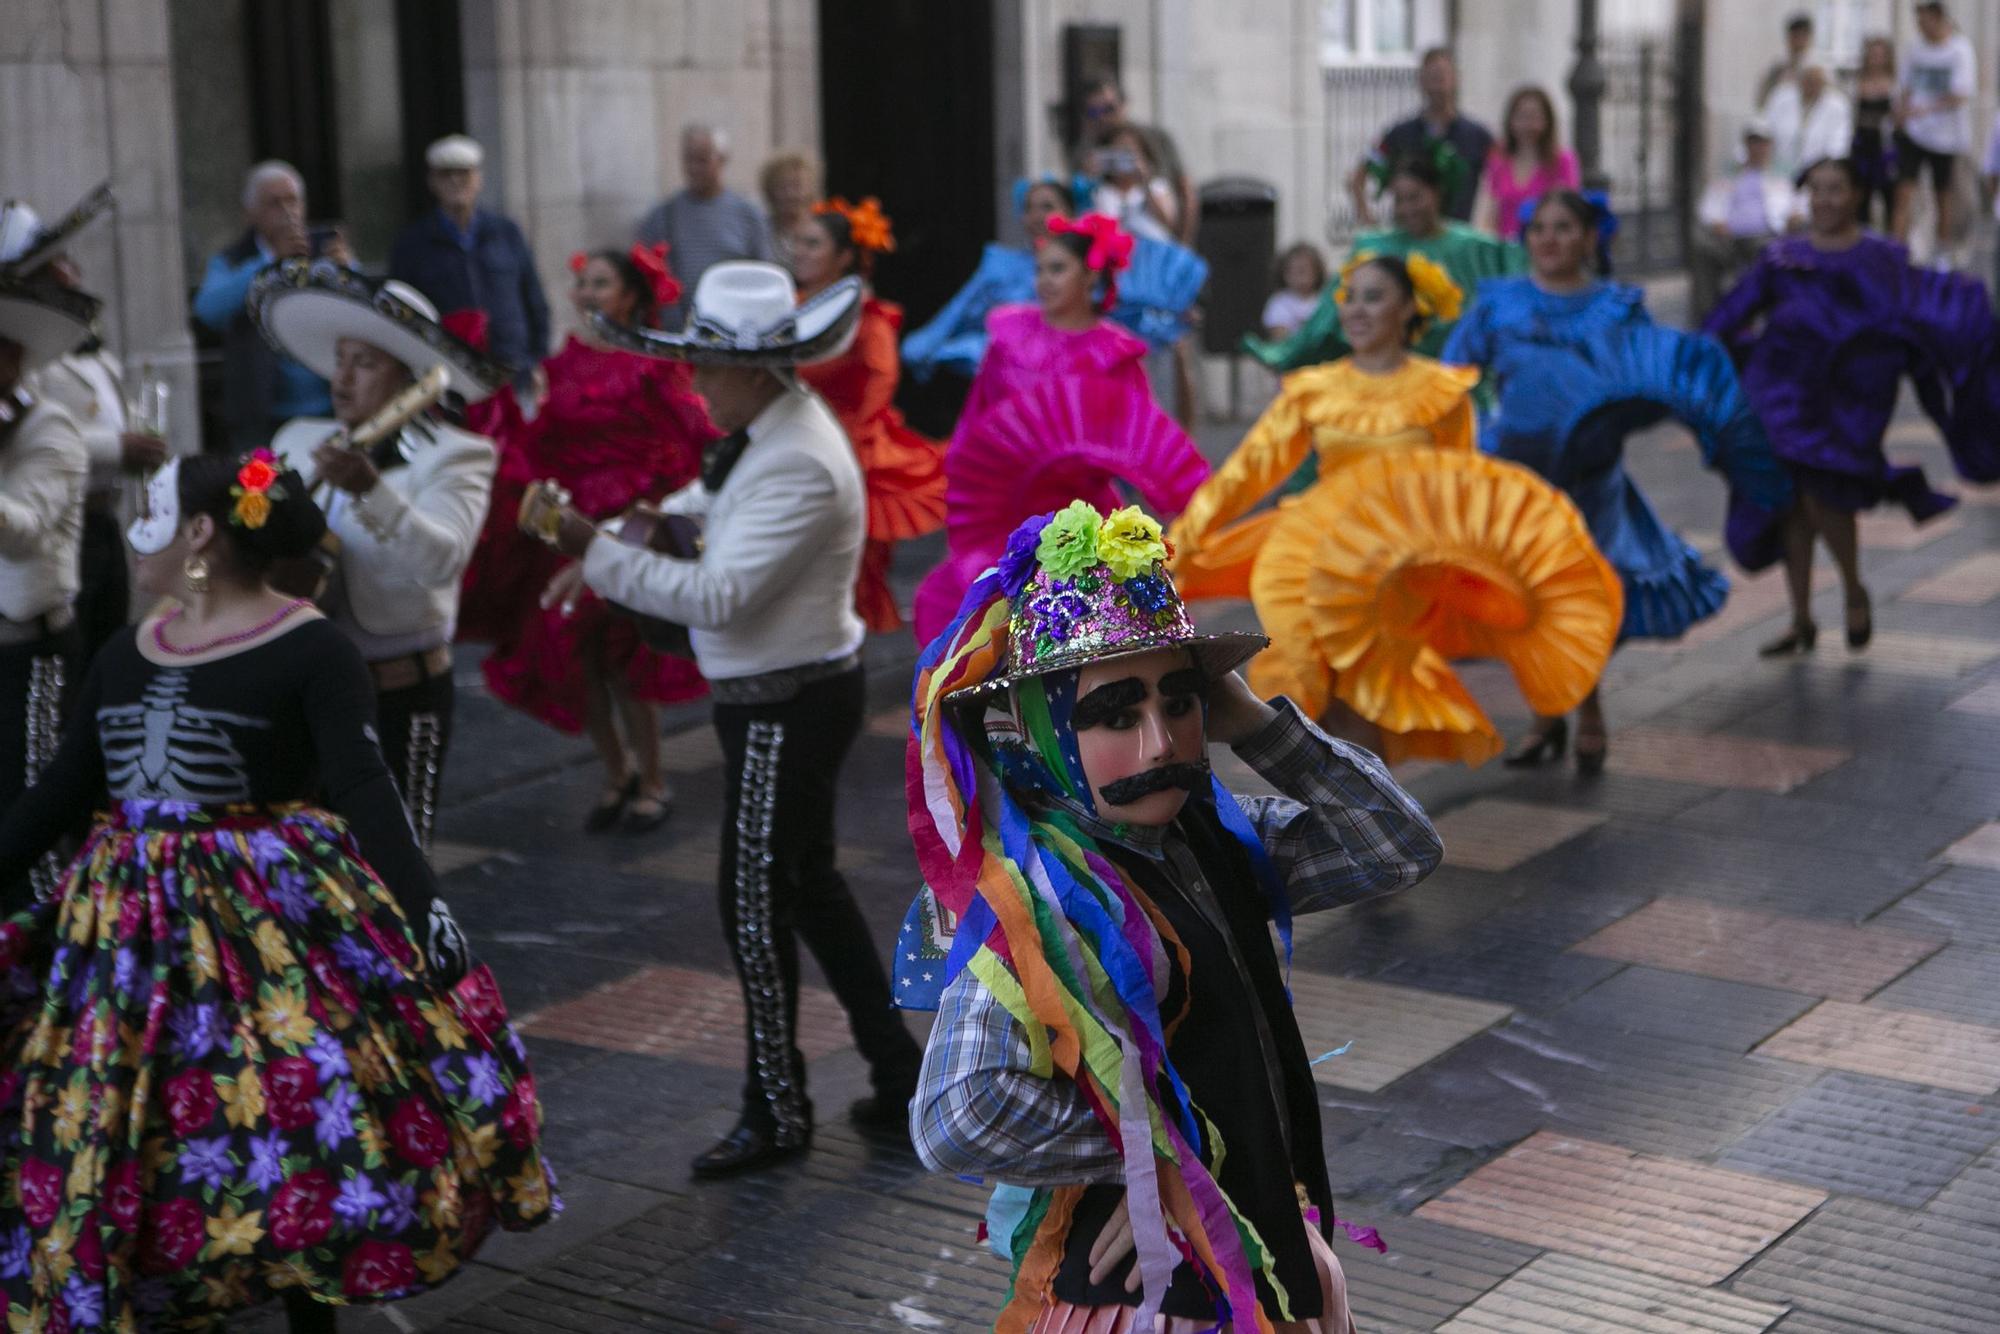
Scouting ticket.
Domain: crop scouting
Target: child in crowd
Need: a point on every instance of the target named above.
(1301, 273)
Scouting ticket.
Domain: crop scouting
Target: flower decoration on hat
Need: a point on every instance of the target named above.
(1095, 584)
(867, 225)
(255, 490)
(1437, 296)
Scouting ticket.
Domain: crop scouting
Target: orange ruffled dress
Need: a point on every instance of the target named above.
(1410, 550)
(904, 470)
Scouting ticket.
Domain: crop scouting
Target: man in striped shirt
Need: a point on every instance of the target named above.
(704, 223)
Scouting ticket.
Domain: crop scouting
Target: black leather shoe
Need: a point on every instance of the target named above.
(886, 1114)
(746, 1149)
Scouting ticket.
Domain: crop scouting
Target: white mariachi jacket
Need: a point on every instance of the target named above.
(405, 545)
(43, 469)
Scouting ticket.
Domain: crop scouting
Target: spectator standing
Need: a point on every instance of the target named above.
(1872, 147)
(1810, 121)
(1798, 47)
(1437, 79)
(1939, 76)
(1104, 118)
(704, 222)
(789, 182)
(464, 257)
(1527, 163)
(1132, 189)
(1738, 216)
(1301, 274)
(262, 389)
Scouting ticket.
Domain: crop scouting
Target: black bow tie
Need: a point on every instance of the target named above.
(720, 457)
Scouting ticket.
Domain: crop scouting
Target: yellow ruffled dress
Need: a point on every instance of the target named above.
(1410, 550)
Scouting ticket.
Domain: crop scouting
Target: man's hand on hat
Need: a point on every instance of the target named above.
(346, 468)
(1234, 712)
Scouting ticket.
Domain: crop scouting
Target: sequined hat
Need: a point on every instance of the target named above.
(1084, 588)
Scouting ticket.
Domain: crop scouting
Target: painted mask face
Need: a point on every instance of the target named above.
(1140, 735)
(153, 532)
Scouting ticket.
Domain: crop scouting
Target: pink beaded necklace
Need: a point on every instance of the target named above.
(160, 630)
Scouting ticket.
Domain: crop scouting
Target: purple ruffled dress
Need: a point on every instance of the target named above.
(1839, 330)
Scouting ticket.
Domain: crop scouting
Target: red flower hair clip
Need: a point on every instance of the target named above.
(652, 261)
(1110, 247)
(867, 224)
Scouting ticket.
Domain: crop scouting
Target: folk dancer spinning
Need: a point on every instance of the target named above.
(769, 606)
(406, 511)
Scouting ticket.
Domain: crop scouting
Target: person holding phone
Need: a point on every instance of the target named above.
(261, 388)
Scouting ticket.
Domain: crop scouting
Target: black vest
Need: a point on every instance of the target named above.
(1252, 1079)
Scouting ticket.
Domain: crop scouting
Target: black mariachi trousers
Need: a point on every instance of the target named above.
(778, 885)
(36, 687)
(414, 724)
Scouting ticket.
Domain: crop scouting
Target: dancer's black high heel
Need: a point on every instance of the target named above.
(1859, 634)
(1590, 759)
(1548, 744)
(1799, 639)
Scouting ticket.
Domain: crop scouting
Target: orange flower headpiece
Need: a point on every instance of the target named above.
(867, 224)
(255, 490)
(651, 261)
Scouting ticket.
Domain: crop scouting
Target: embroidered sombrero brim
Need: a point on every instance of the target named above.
(1216, 655)
(46, 320)
(305, 308)
(814, 330)
(52, 238)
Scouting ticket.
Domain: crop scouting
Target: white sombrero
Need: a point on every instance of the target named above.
(45, 319)
(27, 243)
(747, 313)
(306, 307)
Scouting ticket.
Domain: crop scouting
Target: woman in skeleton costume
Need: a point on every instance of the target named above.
(43, 470)
(236, 1058)
(406, 510)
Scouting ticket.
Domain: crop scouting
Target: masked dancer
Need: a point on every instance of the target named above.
(404, 510)
(768, 602)
(1113, 1030)
(247, 1051)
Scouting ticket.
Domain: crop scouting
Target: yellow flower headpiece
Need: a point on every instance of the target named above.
(1438, 297)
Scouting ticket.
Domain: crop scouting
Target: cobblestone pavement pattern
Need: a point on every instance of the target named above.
(1708, 1043)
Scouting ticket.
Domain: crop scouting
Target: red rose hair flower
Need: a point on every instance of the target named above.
(652, 262)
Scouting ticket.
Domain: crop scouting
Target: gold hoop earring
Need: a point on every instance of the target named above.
(194, 570)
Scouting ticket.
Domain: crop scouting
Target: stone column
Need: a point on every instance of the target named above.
(86, 95)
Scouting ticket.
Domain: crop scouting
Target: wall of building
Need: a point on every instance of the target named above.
(86, 95)
(580, 104)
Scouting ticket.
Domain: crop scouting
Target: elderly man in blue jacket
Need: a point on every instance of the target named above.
(464, 257)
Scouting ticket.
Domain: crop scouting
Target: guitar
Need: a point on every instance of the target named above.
(307, 576)
(642, 526)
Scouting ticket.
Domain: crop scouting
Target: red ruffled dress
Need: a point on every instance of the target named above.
(615, 429)
(904, 470)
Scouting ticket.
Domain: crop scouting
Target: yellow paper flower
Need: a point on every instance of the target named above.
(1438, 297)
(233, 1233)
(1068, 544)
(1129, 541)
(253, 508)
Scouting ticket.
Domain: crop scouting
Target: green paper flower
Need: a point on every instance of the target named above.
(1130, 542)
(1069, 541)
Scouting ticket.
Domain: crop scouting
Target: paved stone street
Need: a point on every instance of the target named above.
(1709, 1043)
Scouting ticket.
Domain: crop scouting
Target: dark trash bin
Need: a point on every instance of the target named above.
(1238, 236)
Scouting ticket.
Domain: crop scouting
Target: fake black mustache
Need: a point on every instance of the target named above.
(1124, 791)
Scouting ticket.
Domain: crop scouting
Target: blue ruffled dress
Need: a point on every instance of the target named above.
(1576, 373)
(1156, 298)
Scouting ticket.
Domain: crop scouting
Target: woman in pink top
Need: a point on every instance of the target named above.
(1527, 163)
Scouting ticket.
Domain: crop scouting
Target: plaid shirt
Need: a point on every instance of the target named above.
(1343, 832)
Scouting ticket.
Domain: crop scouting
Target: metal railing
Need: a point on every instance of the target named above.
(1361, 102)
(1641, 123)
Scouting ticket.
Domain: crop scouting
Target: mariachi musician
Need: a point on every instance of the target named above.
(403, 510)
(43, 471)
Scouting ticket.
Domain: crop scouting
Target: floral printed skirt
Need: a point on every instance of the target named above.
(225, 1072)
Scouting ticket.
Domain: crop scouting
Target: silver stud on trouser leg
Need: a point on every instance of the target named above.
(45, 688)
(420, 779)
(756, 950)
